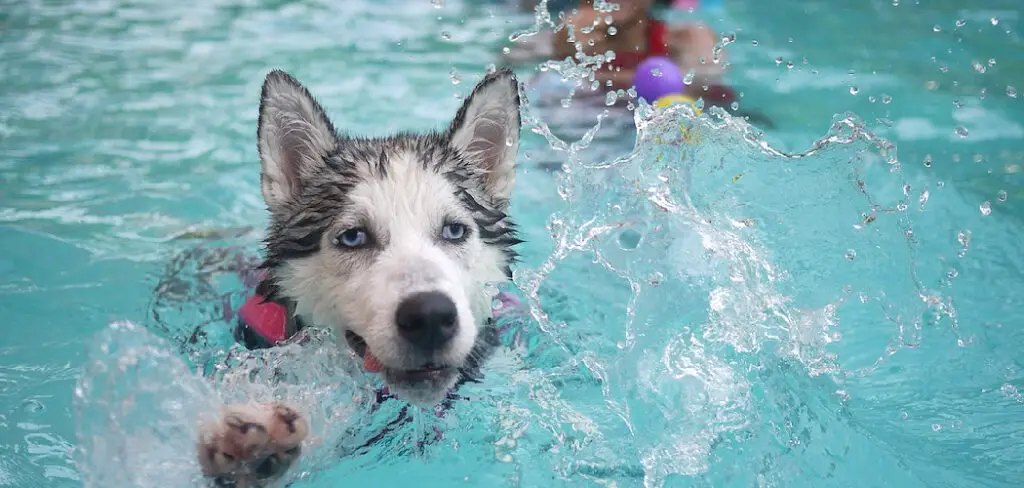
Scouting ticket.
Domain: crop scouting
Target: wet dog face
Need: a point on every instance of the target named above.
(392, 241)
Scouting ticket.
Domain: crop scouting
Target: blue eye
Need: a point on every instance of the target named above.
(352, 238)
(453, 232)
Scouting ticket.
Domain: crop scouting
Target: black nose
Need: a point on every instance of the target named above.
(428, 320)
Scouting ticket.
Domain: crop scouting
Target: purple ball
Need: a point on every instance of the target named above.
(656, 77)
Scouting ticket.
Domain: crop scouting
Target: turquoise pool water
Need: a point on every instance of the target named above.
(710, 314)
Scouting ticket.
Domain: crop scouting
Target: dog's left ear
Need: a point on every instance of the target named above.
(486, 131)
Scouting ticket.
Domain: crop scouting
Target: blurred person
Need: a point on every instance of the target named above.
(633, 34)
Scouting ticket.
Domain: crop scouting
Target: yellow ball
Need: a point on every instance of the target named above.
(670, 99)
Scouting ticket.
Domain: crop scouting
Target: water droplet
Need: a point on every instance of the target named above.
(778, 60)
(446, 35)
(994, 20)
(734, 105)
(754, 43)
(961, 131)
(937, 28)
(886, 99)
(961, 22)
(656, 278)
(928, 161)
(871, 99)
(610, 98)
(936, 427)
(943, 68)
(980, 68)
(963, 237)
(986, 208)
(688, 79)
(924, 199)
(656, 72)
(904, 415)
(437, 3)
(454, 76)
(991, 61)
(612, 30)
(1011, 91)
(1001, 196)
(32, 406)
(851, 254)
(506, 50)
(854, 90)
(957, 104)
(789, 65)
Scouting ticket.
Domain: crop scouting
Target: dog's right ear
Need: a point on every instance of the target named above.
(294, 135)
(486, 131)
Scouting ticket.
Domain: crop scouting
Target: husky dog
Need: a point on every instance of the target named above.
(391, 241)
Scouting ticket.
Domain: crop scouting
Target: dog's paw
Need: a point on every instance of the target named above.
(251, 444)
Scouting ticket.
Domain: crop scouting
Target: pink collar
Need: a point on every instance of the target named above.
(268, 319)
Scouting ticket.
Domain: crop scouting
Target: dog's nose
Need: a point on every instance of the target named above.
(428, 320)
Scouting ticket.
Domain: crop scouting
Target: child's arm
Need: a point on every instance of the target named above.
(692, 46)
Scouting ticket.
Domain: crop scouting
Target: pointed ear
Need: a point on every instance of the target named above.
(294, 138)
(486, 131)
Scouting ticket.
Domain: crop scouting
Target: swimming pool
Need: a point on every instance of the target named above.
(713, 314)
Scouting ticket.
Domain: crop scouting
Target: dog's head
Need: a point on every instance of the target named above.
(392, 241)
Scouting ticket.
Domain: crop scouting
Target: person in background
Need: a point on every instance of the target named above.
(634, 35)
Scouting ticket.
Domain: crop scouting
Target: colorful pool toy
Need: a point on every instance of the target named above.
(656, 77)
(659, 80)
(667, 100)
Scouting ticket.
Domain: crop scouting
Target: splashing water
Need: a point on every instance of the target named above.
(706, 306)
(139, 403)
(689, 347)
(705, 320)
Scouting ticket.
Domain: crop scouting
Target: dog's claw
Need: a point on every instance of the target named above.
(251, 444)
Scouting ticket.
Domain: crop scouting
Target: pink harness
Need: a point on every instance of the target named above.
(268, 319)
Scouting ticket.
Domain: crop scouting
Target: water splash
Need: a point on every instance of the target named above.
(138, 403)
(693, 225)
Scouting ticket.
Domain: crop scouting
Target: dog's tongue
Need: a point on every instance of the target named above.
(370, 362)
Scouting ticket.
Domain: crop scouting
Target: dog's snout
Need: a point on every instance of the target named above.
(427, 320)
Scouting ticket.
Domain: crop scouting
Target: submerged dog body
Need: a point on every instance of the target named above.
(394, 242)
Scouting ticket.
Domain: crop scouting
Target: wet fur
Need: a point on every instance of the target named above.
(402, 190)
